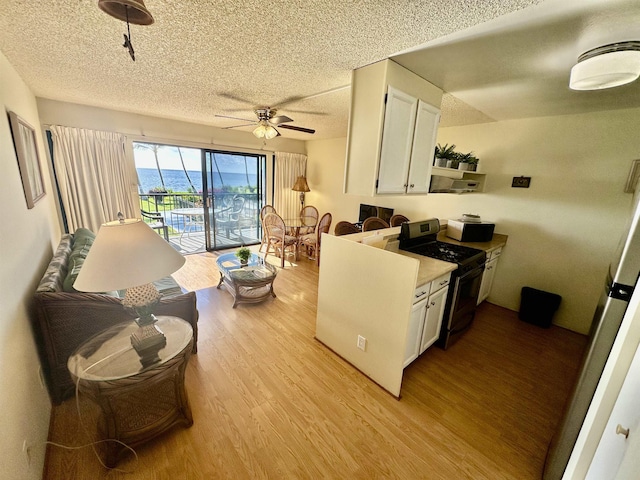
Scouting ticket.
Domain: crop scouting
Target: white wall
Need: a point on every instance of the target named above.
(27, 240)
(562, 231)
(144, 127)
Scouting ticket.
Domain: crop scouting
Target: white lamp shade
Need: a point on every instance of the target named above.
(606, 70)
(126, 254)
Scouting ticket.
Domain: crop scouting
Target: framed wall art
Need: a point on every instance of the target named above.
(24, 140)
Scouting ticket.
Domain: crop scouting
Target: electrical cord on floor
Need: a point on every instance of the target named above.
(93, 444)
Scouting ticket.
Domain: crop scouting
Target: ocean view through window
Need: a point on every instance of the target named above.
(208, 199)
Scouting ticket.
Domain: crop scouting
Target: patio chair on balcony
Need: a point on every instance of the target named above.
(230, 218)
(156, 222)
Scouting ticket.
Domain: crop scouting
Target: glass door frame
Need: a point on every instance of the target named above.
(209, 201)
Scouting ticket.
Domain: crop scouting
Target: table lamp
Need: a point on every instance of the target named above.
(128, 254)
(301, 186)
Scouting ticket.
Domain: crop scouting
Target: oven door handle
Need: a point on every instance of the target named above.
(472, 273)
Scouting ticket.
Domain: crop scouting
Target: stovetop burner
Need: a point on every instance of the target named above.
(449, 252)
(421, 238)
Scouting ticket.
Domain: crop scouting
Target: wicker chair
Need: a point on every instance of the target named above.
(311, 241)
(310, 215)
(277, 236)
(374, 223)
(263, 212)
(397, 220)
(345, 228)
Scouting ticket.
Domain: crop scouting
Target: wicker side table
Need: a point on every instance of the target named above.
(136, 404)
(247, 284)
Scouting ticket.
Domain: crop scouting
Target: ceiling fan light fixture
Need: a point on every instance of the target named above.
(264, 130)
(606, 67)
(131, 11)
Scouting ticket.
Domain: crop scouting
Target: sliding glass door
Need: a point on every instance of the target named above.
(233, 195)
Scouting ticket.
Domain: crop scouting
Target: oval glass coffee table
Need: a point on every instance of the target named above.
(247, 284)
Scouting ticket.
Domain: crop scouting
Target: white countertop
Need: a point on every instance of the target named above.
(429, 268)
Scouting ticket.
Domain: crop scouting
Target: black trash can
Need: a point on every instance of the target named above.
(537, 307)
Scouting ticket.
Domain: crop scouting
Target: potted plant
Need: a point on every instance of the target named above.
(463, 159)
(158, 194)
(243, 254)
(444, 154)
(454, 161)
(473, 163)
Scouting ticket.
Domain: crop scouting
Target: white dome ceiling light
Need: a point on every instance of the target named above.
(606, 67)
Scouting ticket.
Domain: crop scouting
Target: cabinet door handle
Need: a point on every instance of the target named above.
(620, 430)
(405, 185)
(433, 304)
(411, 185)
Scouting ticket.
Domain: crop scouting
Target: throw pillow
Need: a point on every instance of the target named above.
(82, 241)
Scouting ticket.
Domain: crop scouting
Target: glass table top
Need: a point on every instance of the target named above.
(256, 268)
(110, 355)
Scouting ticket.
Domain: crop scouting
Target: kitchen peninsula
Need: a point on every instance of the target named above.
(366, 299)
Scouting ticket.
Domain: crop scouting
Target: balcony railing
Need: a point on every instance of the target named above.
(181, 214)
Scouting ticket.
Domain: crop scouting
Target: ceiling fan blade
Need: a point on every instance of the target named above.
(289, 100)
(297, 129)
(235, 118)
(299, 98)
(238, 126)
(280, 119)
(231, 96)
(307, 112)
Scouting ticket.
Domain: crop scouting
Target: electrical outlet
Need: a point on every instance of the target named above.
(26, 453)
(362, 343)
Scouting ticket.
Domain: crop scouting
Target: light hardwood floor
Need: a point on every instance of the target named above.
(269, 401)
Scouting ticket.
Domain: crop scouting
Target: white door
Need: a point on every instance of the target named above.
(424, 144)
(414, 332)
(433, 320)
(397, 138)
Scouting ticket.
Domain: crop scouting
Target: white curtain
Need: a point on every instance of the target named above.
(289, 166)
(95, 180)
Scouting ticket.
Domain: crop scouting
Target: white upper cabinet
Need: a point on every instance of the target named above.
(424, 146)
(397, 140)
(390, 146)
(408, 144)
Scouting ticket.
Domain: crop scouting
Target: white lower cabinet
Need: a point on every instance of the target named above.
(426, 317)
(489, 274)
(416, 322)
(433, 322)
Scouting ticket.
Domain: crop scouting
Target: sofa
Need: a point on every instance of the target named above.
(64, 318)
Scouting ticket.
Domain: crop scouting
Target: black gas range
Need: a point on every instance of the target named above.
(421, 238)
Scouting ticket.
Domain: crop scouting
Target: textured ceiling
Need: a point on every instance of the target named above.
(497, 59)
(213, 57)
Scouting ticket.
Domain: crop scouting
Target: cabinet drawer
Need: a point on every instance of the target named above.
(421, 292)
(440, 282)
(494, 253)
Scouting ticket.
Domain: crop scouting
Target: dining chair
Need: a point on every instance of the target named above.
(397, 220)
(311, 241)
(345, 228)
(277, 236)
(310, 214)
(263, 211)
(374, 223)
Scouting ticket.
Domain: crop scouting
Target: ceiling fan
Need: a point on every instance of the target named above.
(267, 121)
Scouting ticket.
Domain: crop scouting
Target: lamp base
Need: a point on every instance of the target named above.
(147, 341)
